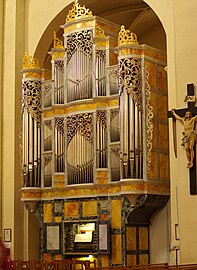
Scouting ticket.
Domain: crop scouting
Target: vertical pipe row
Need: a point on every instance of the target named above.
(130, 121)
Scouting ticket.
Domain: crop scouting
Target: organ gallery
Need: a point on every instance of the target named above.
(95, 164)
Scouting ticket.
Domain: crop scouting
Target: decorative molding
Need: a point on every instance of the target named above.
(149, 120)
(31, 98)
(130, 78)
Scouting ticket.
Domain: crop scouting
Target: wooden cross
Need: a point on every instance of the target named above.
(190, 99)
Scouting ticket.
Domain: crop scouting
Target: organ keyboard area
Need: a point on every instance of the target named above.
(80, 236)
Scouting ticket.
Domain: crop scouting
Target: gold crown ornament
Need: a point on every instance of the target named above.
(29, 62)
(126, 37)
(78, 12)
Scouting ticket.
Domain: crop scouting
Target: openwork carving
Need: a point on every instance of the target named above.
(114, 113)
(59, 124)
(102, 118)
(78, 12)
(149, 120)
(59, 64)
(31, 98)
(81, 41)
(29, 62)
(83, 123)
(101, 54)
(57, 43)
(130, 78)
(126, 37)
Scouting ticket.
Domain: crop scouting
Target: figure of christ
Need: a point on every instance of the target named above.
(189, 134)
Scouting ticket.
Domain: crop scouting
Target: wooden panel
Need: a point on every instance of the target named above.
(58, 219)
(130, 238)
(71, 209)
(155, 135)
(143, 238)
(143, 259)
(89, 208)
(47, 257)
(116, 214)
(116, 249)
(162, 107)
(47, 212)
(131, 260)
(153, 173)
(163, 136)
(164, 166)
(104, 260)
(161, 79)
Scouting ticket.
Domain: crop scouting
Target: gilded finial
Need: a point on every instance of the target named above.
(126, 37)
(57, 42)
(78, 12)
(29, 62)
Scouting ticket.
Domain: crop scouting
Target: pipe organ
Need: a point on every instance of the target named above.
(92, 130)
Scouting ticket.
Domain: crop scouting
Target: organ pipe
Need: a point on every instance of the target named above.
(31, 126)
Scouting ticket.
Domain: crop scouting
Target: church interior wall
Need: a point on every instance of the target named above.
(160, 235)
(185, 72)
(1, 90)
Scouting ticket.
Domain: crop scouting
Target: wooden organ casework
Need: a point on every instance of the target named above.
(94, 140)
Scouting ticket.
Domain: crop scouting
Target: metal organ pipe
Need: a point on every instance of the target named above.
(130, 118)
(31, 150)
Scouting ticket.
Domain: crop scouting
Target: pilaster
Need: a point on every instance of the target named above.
(13, 50)
(1, 90)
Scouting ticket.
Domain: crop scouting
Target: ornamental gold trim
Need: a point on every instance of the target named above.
(78, 12)
(126, 37)
(99, 31)
(149, 121)
(57, 43)
(29, 62)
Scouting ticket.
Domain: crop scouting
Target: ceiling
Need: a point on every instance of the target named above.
(135, 15)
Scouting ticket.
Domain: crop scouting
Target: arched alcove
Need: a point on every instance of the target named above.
(135, 15)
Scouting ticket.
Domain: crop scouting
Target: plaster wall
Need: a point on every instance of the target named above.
(186, 66)
(8, 99)
(13, 212)
(159, 236)
(1, 89)
(180, 26)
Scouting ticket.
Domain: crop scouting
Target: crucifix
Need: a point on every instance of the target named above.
(188, 117)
